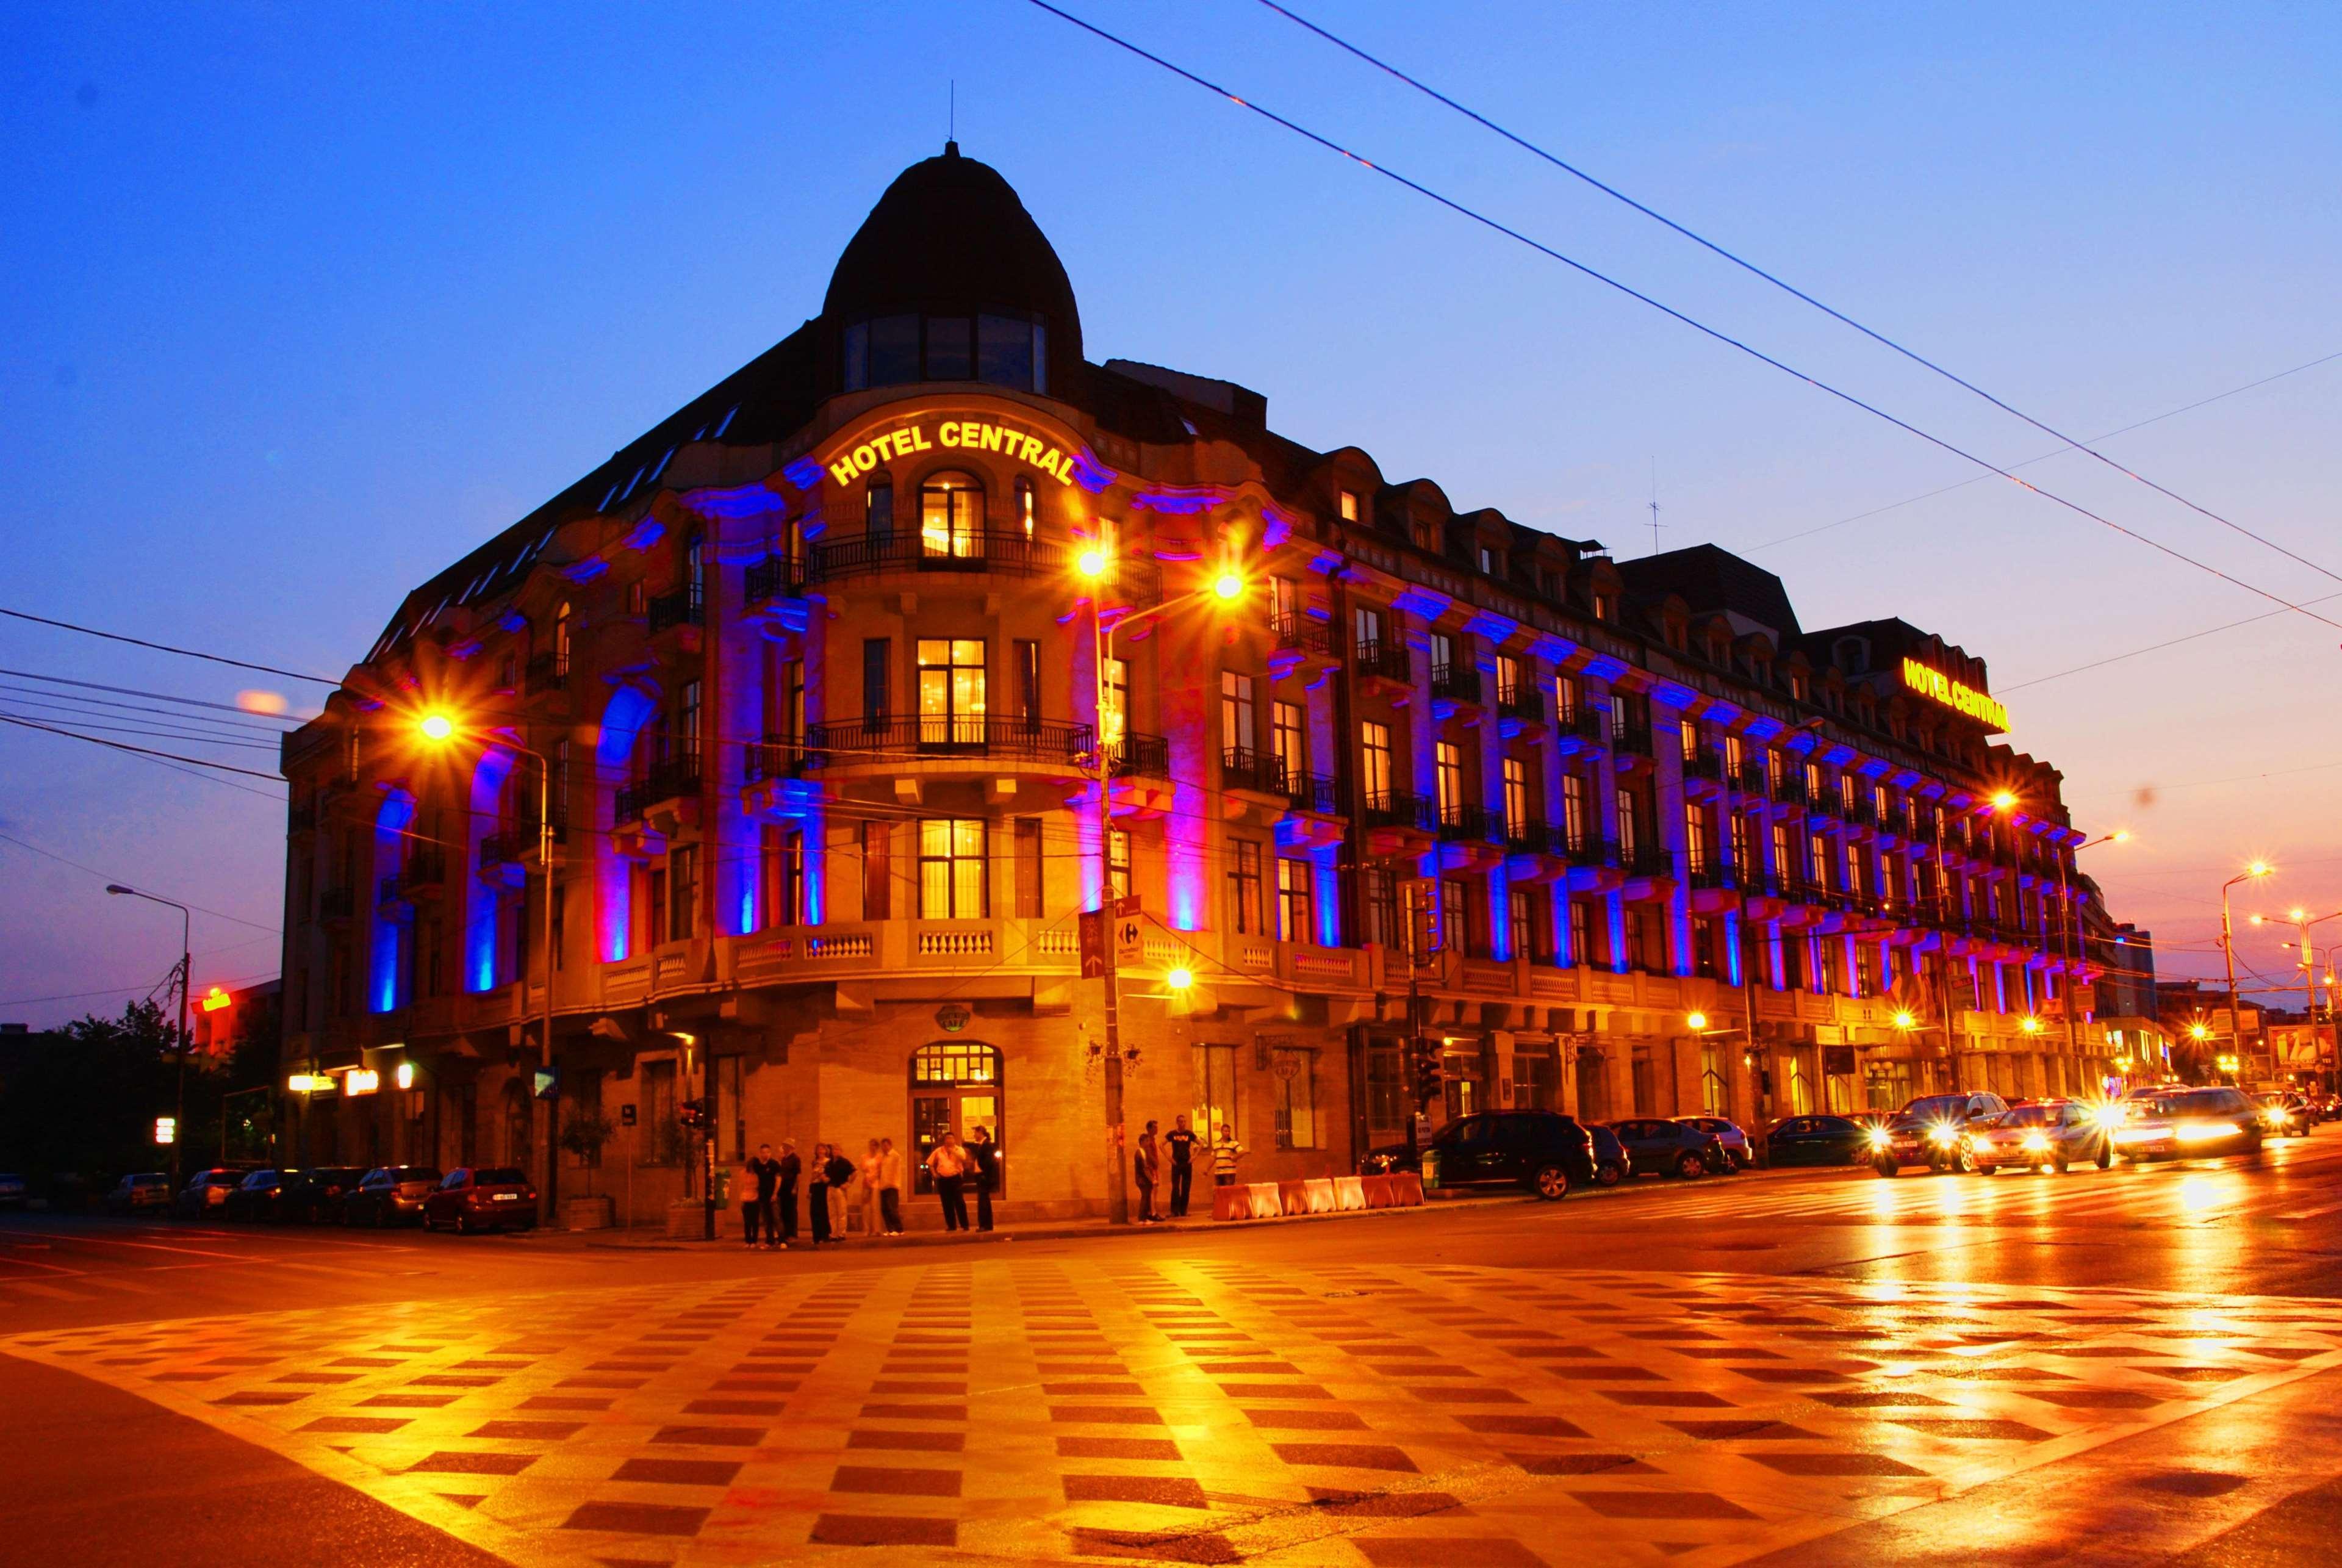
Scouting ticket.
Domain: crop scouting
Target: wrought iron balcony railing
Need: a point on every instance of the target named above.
(1456, 682)
(684, 606)
(670, 779)
(544, 673)
(1397, 809)
(1521, 702)
(1302, 633)
(1384, 661)
(774, 577)
(1464, 822)
(885, 737)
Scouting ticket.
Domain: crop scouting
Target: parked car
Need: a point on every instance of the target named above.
(148, 1192)
(205, 1194)
(493, 1198)
(1737, 1147)
(315, 1195)
(1818, 1141)
(1933, 1131)
(1658, 1146)
(2190, 1121)
(254, 1197)
(1612, 1164)
(2045, 1135)
(1542, 1150)
(12, 1190)
(392, 1195)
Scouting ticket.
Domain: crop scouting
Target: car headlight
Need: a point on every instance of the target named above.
(2108, 1117)
(2132, 1134)
(1881, 1139)
(2036, 1143)
(1944, 1137)
(2279, 1116)
(2206, 1131)
(1981, 1144)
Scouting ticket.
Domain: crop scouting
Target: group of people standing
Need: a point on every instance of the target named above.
(1176, 1151)
(834, 1184)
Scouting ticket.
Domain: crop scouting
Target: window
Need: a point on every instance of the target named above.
(1568, 697)
(1646, 938)
(949, 351)
(1117, 862)
(1696, 851)
(1508, 679)
(1010, 352)
(785, 877)
(1026, 505)
(1244, 887)
(1113, 703)
(951, 515)
(792, 699)
(951, 870)
(1516, 798)
(1378, 899)
(658, 908)
(1286, 742)
(879, 509)
(1518, 924)
(1389, 1098)
(951, 691)
(1028, 867)
(1854, 868)
(1375, 775)
(1735, 754)
(1625, 808)
(1740, 842)
(661, 1141)
(561, 645)
(1575, 805)
(1443, 655)
(876, 652)
(1448, 777)
(1295, 902)
(1426, 535)
(1817, 860)
(1236, 711)
(1605, 608)
(1284, 605)
(1346, 503)
(1785, 864)
(638, 597)
(682, 890)
(1704, 937)
(1588, 935)
(1488, 561)
(1688, 733)
(1456, 933)
(877, 872)
(1296, 1097)
(683, 736)
(1370, 623)
(1027, 654)
(1215, 1093)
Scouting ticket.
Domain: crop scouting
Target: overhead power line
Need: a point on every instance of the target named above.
(157, 696)
(103, 877)
(143, 751)
(1476, 216)
(167, 647)
(2073, 443)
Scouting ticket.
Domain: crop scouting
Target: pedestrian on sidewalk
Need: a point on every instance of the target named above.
(873, 1169)
(890, 1186)
(1226, 1152)
(1181, 1142)
(985, 1155)
(1146, 1165)
(787, 1195)
(756, 1215)
(948, 1164)
(817, 1194)
(839, 1171)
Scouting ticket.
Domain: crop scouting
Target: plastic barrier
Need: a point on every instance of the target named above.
(1231, 1203)
(1315, 1195)
(1378, 1191)
(1320, 1189)
(1406, 1190)
(1293, 1197)
(1349, 1192)
(1267, 1203)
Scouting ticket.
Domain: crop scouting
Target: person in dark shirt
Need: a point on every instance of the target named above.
(787, 1196)
(757, 1206)
(1146, 1165)
(1181, 1142)
(986, 1155)
(839, 1172)
(817, 1194)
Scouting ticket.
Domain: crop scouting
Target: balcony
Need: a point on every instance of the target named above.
(1707, 875)
(506, 849)
(1309, 792)
(1144, 756)
(671, 778)
(1456, 683)
(1704, 764)
(1531, 836)
(1242, 767)
(1397, 808)
(1789, 789)
(1000, 552)
(1387, 661)
(894, 737)
(1522, 702)
(1650, 861)
(424, 871)
(684, 606)
(1464, 823)
(336, 904)
(546, 672)
(1631, 740)
(774, 577)
(1594, 854)
(1299, 634)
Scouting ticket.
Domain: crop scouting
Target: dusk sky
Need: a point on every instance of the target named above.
(299, 304)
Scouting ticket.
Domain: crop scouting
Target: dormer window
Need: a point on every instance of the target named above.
(1425, 535)
(1346, 503)
(1605, 608)
(1798, 687)
(999, 351)
(1488, 561)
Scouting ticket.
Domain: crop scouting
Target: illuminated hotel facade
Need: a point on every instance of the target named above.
(811, 674)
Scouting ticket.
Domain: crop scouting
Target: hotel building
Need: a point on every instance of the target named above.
(1438, 814)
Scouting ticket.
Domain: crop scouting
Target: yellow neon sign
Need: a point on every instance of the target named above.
(1938, 687)
(952, 434)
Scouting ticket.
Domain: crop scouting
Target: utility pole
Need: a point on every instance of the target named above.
(186, 964)
(1117, 1192)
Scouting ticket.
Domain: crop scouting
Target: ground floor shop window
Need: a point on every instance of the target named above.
(1801, 1087)
(1215, 1093)
(661, 1136)
(1536, 1080)
(1296, 1097)
(1714, 1088)
(956, 1087)
(1388, 1103)
(1466, 1087)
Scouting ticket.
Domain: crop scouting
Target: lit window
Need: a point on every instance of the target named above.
(1293, 902)
(1449, 775)
(951, 515)
(1375, 775)
(951, 691)
(1297, 1100)
(951, 870)
(1516, 797)
(1236, 713)
(1348, 503)
(1244, 887)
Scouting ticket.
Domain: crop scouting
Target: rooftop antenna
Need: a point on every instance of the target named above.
(1656, 524)
(951, 112)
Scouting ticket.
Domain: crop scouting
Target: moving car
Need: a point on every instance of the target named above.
(392, 1195)
(1671, 1147)
(1818, 1141)
(12, 1190)
(1933, 1131)
(2284, 1114)
(1729, 1133)
(1543, 1150)
(148, 1192)
(315, 1195)
(254, 1197)
(205, 1194)
(2046, 1134)
(1612, 1164)
(493, 1198)
(2185, 1122)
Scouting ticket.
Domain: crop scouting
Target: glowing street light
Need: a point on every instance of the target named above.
(1091, 562)
(436, 726)
(1180, 979)
(2228, 948)
(1697, 1020)
(1229, 585)
(2002, 801)
(1906, 1018)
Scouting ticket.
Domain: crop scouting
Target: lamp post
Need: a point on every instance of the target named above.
(1096, 564)
(2069, 931)
(439, 728)
(2229, 953)
(2302, 921)
(179, 1120)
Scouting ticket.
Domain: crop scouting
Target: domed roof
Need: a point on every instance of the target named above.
(950, 238)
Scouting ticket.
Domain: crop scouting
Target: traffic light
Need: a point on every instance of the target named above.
(691, 1114)
(1430, 1075)
(166, 1129)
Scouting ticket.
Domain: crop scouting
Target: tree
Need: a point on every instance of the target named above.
(583, 1134)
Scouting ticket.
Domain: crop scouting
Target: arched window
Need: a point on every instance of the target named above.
(955, 1087)
(561, 640)
(1028, 507)
(879, 509)
(951, 515)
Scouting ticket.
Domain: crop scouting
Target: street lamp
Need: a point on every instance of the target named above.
(440, 729)
(185, 967)
(2302, 921)
(2069, 927)
(2228, 948)
(1096, 563)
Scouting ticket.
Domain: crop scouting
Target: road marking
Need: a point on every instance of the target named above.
(104, 1241)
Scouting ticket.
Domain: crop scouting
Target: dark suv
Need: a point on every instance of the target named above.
(1543, 1150)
